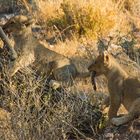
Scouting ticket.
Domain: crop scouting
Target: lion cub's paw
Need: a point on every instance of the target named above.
(116, 121)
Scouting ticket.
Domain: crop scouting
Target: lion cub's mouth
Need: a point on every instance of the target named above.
(93, 75)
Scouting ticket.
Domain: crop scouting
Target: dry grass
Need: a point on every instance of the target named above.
(82, 18)
(92, 19)
(39, 112)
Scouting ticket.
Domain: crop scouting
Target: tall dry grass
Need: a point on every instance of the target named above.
(93, 18)
(40, 112)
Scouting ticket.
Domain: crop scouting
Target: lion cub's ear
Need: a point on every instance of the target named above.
(106, 57)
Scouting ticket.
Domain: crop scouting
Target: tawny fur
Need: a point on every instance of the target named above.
(123, 89)
(30, 51)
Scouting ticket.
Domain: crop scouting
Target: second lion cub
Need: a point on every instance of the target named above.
(30, 51)
(123, 89)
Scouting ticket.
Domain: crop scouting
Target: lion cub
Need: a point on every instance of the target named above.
(30, 51)
(123, 89)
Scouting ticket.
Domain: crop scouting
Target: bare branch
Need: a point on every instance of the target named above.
(7, 42)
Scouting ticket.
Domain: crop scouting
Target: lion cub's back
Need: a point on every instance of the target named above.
(65, 73)
(132, 86)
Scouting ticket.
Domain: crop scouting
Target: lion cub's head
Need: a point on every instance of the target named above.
(100, 65)
(17, 24)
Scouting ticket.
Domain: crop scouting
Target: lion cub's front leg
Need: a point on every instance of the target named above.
(133, 112)
(115, 102)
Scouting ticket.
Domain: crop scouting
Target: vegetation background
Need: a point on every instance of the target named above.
(30, 110)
